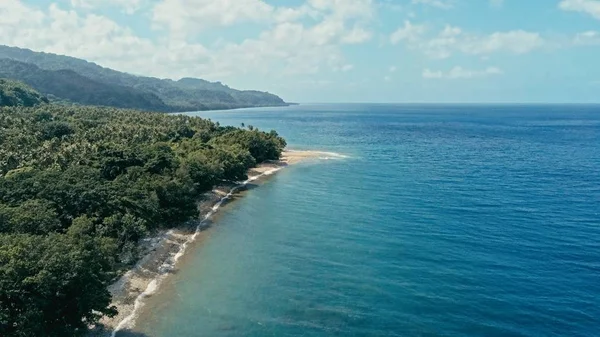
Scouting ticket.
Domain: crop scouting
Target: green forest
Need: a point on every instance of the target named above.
(18, 94)
(67, 79)
(80, 186)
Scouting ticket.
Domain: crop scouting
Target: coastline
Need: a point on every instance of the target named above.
(241, 107)
(162, 251)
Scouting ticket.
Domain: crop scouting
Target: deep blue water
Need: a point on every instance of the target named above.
(442, 221)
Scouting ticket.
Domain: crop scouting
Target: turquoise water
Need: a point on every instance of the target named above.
(442, 221)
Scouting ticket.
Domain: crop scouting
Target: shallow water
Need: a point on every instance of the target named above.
(442, 221)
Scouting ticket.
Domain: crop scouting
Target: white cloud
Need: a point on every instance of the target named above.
(497, 3)
(443, 4)
(128, 6)
(461, 73)
(185, 17)
(452, 39)
(292, 14)
(12, 14)
(287, 44)
(356, 35)
(312, 83)
(345, 8)
(92, 37)
(391, 71)
(591, 7)
(408, 32)
(289, 48)
(429, 74)
(391, 5)
(516, 41)
(295, 47)
(588, 38)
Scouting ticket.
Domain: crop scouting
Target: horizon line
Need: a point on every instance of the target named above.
(454, 103)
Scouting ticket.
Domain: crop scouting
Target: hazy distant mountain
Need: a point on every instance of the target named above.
(89, 83)
(67, 85)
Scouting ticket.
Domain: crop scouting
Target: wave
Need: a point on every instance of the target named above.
(332, 155)
(170, 263)
(323, 155)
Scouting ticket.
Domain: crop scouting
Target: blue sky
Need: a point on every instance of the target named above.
(333, 50)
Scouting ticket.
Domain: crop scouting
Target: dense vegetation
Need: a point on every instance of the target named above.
(67, 85)
(17, 94)
(79, 81)
(79, 186)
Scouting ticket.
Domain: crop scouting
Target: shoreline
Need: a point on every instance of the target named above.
(281, 105)
(161, 252)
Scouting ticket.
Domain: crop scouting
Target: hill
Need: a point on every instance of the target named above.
(67, 85)
(187, 94)
(17, 94)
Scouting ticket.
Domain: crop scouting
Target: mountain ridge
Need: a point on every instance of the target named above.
(165, 95)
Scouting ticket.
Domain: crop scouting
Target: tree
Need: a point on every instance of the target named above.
(79, 188)
(35, 216)
(55, 130)
(18, 94)
(53, 285)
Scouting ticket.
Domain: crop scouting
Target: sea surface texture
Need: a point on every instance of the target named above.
(434, 221)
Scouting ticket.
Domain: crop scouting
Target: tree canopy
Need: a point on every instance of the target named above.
(80, 186)
(18, 94)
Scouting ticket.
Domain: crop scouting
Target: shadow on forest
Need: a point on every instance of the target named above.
(129, 333)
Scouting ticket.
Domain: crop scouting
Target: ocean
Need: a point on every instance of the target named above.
(433, 220)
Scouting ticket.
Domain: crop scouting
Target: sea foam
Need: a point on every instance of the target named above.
(170, 263)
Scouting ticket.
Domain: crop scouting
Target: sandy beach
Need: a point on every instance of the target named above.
(162, 251)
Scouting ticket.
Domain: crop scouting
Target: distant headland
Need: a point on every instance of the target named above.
(65, 79)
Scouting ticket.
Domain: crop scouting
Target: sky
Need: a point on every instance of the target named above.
(333, 50)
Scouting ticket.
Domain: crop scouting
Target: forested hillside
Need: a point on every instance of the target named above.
(17, 94)
(79, 186)
(67, 85)
(188, 94)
